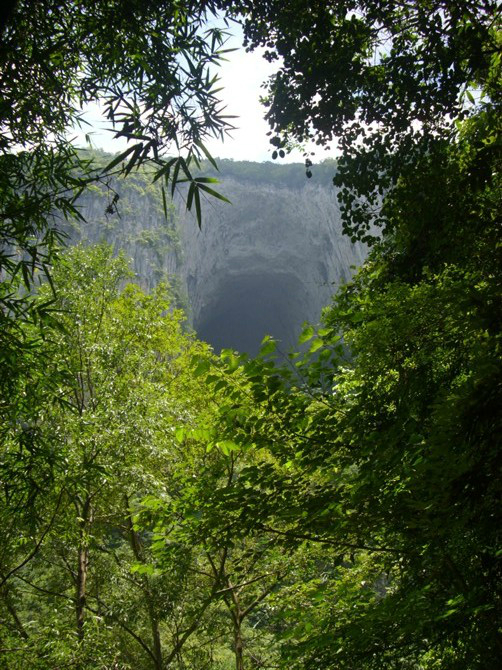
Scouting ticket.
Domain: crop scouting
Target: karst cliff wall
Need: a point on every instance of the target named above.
(262, 265)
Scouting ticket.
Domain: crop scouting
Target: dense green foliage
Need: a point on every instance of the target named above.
(385, 81)
(161, 509)
(148, 64)
(126, 387)
(382, 445)
(391, 456)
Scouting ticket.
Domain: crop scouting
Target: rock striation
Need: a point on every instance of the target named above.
(262, 265)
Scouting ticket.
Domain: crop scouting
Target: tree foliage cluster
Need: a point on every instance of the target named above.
(384, 449)
(90, 577)
(148, 65)
(164, 509)
(385, 81)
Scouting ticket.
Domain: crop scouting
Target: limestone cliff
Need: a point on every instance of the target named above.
(262, 265)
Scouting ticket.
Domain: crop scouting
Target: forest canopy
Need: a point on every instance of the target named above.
(164, 508)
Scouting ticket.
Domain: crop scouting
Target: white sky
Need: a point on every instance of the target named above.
(242, 78)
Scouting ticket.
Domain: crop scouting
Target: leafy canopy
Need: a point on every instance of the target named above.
(384, 81)
(151, 66)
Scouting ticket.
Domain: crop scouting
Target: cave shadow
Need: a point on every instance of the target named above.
(245, 308)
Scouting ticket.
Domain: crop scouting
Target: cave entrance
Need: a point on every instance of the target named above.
(245, 308)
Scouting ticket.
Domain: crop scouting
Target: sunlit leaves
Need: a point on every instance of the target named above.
(123, 430)
(307, 334)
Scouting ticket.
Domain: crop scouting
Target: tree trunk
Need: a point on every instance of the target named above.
(83, 562)
(6, 597)
(82, 566)
(238, 643)
(139, 556)
(154, 625)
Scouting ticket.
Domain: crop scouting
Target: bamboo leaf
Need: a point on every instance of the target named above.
(214, 193)
(191, 191)
(164, 201)
(175, 176)
(164, 170)
(207, 180)
(134, 158)
(207, 154)
(197, 207)
(118, 159)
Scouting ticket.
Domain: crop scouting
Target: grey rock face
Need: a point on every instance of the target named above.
(265, 264)
(262, 265)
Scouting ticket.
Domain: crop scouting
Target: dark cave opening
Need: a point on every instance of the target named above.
(245, 308)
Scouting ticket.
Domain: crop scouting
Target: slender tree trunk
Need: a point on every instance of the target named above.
(237, 618)
(238, 642)
(238, 612)
(139, 556)
(154, 625)
(5, 595)
(83, 566)
(83, 562)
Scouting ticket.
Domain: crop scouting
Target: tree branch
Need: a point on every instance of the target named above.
(37, 546)
(333, 543)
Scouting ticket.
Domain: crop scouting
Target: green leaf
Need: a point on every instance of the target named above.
(206, 180)
(191, 191)
(134, 158)
(206, 154)
(268, 346)
(231, 360)
(307, 334)
(174, 181)
(118, 159)
(227, 446)
(316, 345)
(214, 193)
(164, 201)
(142, 569)
(197, 207)
(202, 367)
(164, 171)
